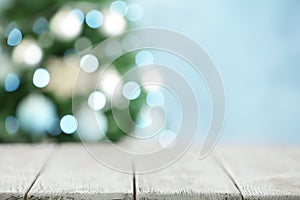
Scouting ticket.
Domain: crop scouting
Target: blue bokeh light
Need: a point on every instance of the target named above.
(53, 127)
(11, 125)
(144, 58)
(38, 109)
(12, 82)
(119, 7)
(10, 26)
(68, 124)
(14, 37)
(79, 14)
(94, 19)
(155, 98)
(131, 90)
(40, 25)
(135, 12)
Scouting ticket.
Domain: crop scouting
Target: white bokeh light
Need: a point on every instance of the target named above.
(27, 52)
(89, 63)
(41, 78)
(109, 82)
(66, 24)
(33, 54)
(131, 90)
(114, 23)
(97, 100)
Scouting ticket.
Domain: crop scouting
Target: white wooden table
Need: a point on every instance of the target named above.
(67, 171)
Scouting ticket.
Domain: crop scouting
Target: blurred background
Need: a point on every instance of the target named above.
(255, 45)
(44, 45)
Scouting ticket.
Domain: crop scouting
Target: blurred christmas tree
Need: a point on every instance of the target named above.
(42, 46)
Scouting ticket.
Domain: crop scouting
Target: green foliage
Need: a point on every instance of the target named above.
(23, 14)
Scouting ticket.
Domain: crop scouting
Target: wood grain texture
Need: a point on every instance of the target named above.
(264, 172)
(72, 173)
(188, 178)
(19, 167)
(256, 172)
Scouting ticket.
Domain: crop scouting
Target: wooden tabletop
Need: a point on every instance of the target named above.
(67, 171)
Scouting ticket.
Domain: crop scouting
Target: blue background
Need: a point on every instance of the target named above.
(256, 47)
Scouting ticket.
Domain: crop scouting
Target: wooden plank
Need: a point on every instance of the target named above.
(188, 178)
(19, 167)
(72, 173)
(264, 172)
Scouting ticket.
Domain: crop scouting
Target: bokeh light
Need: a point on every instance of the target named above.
(78, 14)
(144, 58)
(119, 7)
(46, 40)
(131, 90)
(65, 24)
(144, 118)
(94, 19)
(68, 124)
(28, 52)
(97, 100)
(53, 127)
(11, 124)
(135, 12)
(10, 26)
(89, 63)
(114, 23)
(83, 44)
(167, 139)
(152, 75)
(14, 37)
(40, 25)
(91, 126)
(155, 98)
(109, 82)
(34, 112)
(12, 82)
(42, 52)
(129, 41)
(41, 78)
(113, 48)
(63, 73)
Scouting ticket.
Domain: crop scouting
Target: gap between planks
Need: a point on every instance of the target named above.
(215, 155)
(61, 177)
(254, 172)
(55, 147)
(221, 162)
